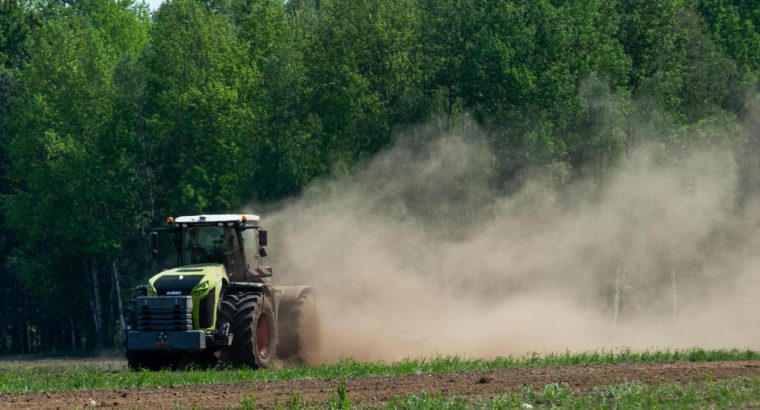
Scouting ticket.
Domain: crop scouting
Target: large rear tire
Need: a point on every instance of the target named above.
(253, 328)
(299, 325)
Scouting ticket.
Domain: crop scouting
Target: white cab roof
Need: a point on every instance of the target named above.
(250, 218)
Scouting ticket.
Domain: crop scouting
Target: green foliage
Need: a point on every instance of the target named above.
(67, 162)
(359, 75)
(63, 125)
(111, 118)
(520, 68)
(201, 110)
(16, 25)
(734, 24)
(287, 154)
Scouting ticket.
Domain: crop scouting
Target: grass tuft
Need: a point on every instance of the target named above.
(248, 403)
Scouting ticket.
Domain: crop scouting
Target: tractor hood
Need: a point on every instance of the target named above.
(187, 280)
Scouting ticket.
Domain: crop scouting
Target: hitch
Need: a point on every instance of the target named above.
(222, 336)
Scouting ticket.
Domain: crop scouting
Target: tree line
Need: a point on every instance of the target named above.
(113, 117)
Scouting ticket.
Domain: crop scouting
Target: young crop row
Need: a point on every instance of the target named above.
(21, 379)
(739, 392)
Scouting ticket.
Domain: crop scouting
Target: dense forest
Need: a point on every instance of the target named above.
(113, 117)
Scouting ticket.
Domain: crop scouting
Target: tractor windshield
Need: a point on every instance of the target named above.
(212, 244)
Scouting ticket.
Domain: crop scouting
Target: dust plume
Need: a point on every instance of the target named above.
(416, 256)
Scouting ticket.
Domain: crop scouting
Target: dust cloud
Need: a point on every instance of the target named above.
(416, 256)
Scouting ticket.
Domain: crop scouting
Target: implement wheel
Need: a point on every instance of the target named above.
(299, 326)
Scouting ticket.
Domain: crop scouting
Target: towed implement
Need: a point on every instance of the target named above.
(217, 304)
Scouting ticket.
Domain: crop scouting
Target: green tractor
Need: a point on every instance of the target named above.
(217, 304)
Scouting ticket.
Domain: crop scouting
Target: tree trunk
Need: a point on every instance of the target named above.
(674, 278)
(96, 305)
(25, 347)
(21, 323)
(616, 300)
(111, 322)
(119, 306)
(73, 334)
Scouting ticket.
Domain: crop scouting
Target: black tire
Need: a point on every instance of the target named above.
(203, 360)
(135, 360)
(299, 325)
(153, 361)
(253, 328)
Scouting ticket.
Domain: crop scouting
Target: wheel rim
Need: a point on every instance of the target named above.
(263, 335)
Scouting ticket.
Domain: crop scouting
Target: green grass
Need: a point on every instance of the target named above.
(23, 379)
(740, 392)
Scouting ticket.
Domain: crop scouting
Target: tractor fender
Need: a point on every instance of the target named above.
(252, 287)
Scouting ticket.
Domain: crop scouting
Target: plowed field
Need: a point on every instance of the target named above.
(372, 391)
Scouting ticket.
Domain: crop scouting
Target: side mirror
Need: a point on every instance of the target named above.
(154, 244)
(262, 237)
(262, 251)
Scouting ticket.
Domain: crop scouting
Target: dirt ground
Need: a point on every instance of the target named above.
(378, 390)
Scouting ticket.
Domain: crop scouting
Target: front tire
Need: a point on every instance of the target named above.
(253, 328)
(152, 361)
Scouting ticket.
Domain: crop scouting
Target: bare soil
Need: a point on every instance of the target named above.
(378, 390)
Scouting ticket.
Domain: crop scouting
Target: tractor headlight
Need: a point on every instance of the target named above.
(200, 288)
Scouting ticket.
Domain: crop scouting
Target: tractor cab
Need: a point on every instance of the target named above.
(217, 239)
